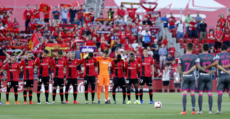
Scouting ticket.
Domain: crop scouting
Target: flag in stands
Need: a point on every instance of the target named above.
(86, 49)
(34, 41)
(113, 38)
(75, 4)
(64, 5)
(52, 47)
(44, 8)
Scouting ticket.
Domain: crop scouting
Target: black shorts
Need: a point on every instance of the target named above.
(46, 20)
(165, 83)
(118, 82)
(131, 81)
(11, 84)
(204, 82)
(177, 85)
(223, 82)
(58, 82)
(89, 80)
(44, 80)
(71, 81)
(28, 83)
(188, 83)
(147, 80)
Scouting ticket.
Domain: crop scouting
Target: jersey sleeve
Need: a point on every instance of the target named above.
(18, 66)
(152, 61)
(51, 62)
(37, 61)
(112, 65)
(217, 57)
(197, 61)
(126, 65)
(6, 67)
(22, 63)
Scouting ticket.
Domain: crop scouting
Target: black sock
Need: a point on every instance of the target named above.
(136, 93)
(61, 94)
(219, 101)
(16, 96)
(210, 102)
(124, 93)
(74, 93)
(0, 95)
(66, 95)
(47, 93)
(38, 93)
(24, 94)
(16, 93)
(54, 94)
(151, 94)
(200, 101)
(141, 94)
(7, 96)
(86, 92)
(184, 101)
(30, 95)
(114, 94)
(128, 95)
(92, 91)
(193, 100)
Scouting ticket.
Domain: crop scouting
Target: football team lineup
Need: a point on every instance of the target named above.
(119, 67)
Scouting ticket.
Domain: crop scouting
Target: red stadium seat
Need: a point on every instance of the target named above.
(196, 51)
(196, 41)
(188, 40)
(174, 32)
(184, 46)
(219, 50)
(204, 40)
(181, 41)
(185, 36)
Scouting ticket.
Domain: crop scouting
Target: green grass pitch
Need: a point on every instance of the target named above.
(171, 107)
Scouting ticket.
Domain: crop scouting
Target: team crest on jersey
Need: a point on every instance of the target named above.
(134, 64)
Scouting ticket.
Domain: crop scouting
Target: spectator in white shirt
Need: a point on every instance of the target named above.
(176, 80)
(180, 30)
(1, 26)
(135, 45)
(165, 79)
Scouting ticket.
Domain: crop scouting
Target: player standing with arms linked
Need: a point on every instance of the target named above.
(186, 63)
(89, 75)
(71, 76)
(224, 77)
(146, 74)
(131, 68)
(28, 66)
(58, 65)
(207, 61)
(43, 74)
(103, 75)
(117, 67)
(13, 69)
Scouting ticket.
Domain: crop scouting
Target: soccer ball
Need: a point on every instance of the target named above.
(157, 104)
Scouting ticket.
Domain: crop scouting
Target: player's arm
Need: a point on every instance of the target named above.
(153, 68)
(212, 65)
(222, 69)
(179, 71)
(190, 70)
(225, 66)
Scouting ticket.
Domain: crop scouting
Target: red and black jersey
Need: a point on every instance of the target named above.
(28, 69)
(89, 66)
(146, 66)
(118, 68)
(132, 69)
(43, 65)
(58, 66)
(71, 68)
(13, 70)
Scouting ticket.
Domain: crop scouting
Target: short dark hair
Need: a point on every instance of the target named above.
(189, 46)
(60, 52)
(106, 52)
(119, 57)
(12, 55)
(131, 54)
(91, 54)
(224, 47)
(46, 51)
(145, 49)
(205, 47)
